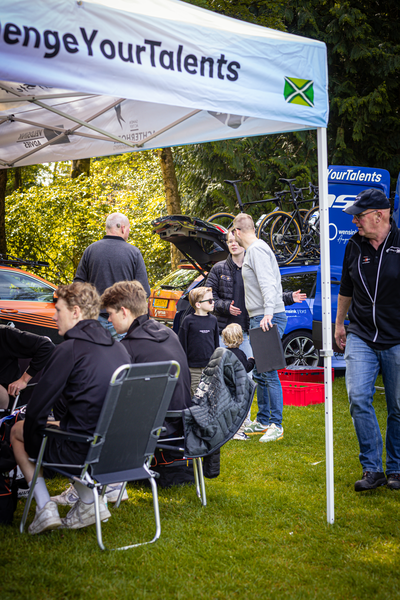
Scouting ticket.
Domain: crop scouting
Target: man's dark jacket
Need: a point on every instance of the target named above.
(109, 260)
(15, 344)
(221, 279)
(150, 341)
(80, 368)
(374, 313)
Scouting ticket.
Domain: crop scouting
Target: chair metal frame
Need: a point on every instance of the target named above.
(169, 444)
(112, 458)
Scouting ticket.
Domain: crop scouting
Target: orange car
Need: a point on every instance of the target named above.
(166, 293)
(202, 244)
(26, 300)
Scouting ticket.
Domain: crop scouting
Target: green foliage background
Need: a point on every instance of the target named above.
(57, 219)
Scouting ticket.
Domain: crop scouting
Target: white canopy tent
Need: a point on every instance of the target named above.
(83, 78)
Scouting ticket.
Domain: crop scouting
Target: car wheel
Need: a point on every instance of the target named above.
(299, 349)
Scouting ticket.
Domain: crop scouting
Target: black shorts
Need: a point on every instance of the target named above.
(64, 452)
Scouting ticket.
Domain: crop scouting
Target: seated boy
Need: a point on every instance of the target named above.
(80, 368)
(146, 340)
(15, 344)
(199, 333)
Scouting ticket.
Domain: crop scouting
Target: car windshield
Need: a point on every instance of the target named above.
(178, 280)
(18, 286)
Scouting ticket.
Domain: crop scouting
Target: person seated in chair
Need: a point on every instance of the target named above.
(147, 341)
(80, 369)
(14, 345)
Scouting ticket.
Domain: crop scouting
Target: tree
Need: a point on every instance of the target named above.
(3, 185)
(172, 197)
(57, 221)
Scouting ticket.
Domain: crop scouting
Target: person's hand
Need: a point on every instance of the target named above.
(16, 386)
(340, 336)
(298, 296)
(266, 322)
(234, 310)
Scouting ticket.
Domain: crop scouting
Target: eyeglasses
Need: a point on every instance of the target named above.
(210, 301)
(236, 229)
(359, 217)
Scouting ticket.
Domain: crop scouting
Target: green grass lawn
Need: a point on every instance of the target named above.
(263, 533)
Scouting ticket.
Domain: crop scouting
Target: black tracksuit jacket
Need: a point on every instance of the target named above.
(375, 311)
(80, 369)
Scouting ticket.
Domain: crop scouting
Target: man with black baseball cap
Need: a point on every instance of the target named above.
(369, 293)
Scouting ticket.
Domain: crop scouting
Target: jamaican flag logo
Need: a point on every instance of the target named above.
(299, 91)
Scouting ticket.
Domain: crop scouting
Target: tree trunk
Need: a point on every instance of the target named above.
(172, 196)
(17, 178)
(3, 183)
(80, 166)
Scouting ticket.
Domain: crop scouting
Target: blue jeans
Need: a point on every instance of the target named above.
(269, 390)
(362, 368)
(110, 327)
(245, 345)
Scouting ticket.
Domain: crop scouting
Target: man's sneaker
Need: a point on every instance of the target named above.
(272, 434)
(370, 481)
(82, 515)
(67, 498)
(46, 518)
(240, 435)
(255, 428)
(393, 481)
(112, 492)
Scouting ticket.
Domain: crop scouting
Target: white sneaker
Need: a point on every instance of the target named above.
(67, 498)
(83, 515)
(272, 434)
(46, 518)
(112, 492)
(240, 435)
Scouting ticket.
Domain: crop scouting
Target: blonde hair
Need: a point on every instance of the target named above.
(197, 295)
(80, 294)
(232, 335)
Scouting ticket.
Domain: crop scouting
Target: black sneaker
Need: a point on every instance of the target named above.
(370, 481)
(393, 481)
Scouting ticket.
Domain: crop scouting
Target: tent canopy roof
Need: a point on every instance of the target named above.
(102, 77)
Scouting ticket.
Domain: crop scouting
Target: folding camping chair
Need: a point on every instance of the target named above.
(125, 438)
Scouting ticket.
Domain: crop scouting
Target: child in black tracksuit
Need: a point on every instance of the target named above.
(199, 333)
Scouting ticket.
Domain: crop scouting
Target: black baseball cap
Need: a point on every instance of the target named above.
(368, 200)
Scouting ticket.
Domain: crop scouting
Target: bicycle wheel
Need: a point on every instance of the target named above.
(285, 237)
(311, 238)
(222, 219)
(264, 228)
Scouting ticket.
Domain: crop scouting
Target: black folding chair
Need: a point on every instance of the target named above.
(125, 438)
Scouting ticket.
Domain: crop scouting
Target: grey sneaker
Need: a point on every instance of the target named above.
(240, 435)
(255, 428)
(47, 518)
(83, 515)
(67, 498)
(112, 492)
(272, 434)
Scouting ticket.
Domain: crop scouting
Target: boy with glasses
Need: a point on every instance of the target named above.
(199, 333)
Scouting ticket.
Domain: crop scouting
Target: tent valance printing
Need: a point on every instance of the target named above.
(84, 78)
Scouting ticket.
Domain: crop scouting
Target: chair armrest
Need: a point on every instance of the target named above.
(66, 435)
(173, 413)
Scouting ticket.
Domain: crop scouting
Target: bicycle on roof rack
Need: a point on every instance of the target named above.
(8, 260)
(290, 235)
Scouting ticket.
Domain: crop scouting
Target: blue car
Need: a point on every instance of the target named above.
(203, 245)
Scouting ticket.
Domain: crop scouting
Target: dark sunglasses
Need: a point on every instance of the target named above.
(210, 301)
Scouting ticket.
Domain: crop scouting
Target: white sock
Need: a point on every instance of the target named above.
(85, 494)
(40, 492)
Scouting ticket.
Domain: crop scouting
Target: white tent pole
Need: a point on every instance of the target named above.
(326, 315)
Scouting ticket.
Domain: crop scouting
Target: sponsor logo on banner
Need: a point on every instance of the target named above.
(36, 137)
(299, 91)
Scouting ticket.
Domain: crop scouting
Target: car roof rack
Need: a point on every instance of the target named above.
(8, 260)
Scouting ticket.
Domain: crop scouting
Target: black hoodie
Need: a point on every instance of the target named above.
(150, 341)
(80, 369)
